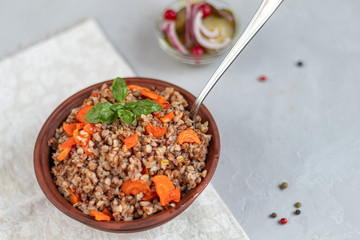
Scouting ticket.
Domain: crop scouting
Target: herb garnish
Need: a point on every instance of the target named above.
(107, 112)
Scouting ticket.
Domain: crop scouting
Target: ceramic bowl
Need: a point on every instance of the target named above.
(43, 162)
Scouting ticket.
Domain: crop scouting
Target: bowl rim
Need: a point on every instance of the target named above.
(41, 161)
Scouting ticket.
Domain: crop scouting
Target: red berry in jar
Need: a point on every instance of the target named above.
(283, 221)
(170, 14)
(198, 50)
(206, 9)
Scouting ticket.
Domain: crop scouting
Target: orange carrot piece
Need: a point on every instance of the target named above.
(157, 132)
(163, 183)
(69, 128)
(173, 195)
(87, 150)
(63, 154)
(188, 136)
(82, 139)
(95, 94)
(89, 128)
(132, 87)
(165, 189)
(106, 211)
(68, 143)
(80, 116)
(162, 102)
(131, 141)
(80, 126)
(168, 117)
(74, 198)
(158, 115)
(148, 196)
(100, 216)
(149, 94)
(134, 187)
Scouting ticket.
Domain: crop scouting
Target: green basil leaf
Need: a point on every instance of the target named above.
(115, 107)
(119, 89)
(93, 115)
(130, 105)
(101, 112)
(126, 116)
(146, 107)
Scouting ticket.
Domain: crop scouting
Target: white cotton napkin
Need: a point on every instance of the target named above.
(34, 82)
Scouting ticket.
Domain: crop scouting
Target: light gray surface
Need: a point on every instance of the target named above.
(302, 125)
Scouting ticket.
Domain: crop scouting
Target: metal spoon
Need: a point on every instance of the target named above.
(266, 9)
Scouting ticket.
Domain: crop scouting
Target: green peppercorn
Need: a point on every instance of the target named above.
(273, 215)
(283, 185)
(297, 212)
(297, 204)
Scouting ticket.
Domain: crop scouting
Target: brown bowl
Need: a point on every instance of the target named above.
(43, 162)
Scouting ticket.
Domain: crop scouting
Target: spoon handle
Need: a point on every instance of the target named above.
(266, 9)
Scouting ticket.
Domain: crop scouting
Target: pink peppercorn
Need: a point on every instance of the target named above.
(283, 221)
(262, 78)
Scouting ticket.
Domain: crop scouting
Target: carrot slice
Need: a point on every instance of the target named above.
(162, 102)
(69, 128)
(174, 195)
(82, 139)
(95, 94)
(148, 196)
(68, 143)
(168, 117)
(149, 94)
(131, 141)
(132, 87)
(80, 116)
(100, 216)
(157, 132)
(63, 154)
(74, 198)
(134, 187)
(165, 189)
(158, 115)
(89, 128)
(80, 125)
(188, 136)
(87, 151)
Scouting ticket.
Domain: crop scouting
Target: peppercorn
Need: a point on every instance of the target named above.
(283, 221)
(297, 204)
(273, 215)
(297, 212)
(299, 63)
(283, 185)
(262, 78)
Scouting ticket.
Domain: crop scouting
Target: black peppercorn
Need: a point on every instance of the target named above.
(283, 185)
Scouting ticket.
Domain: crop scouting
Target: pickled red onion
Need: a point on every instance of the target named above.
(209, 33)
(200, 39)
(188, 24)
(194, 10)
(171, 33)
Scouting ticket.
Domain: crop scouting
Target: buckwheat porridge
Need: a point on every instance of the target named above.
(129, 152)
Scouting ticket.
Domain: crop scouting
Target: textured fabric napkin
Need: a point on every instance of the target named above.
(33, 83)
